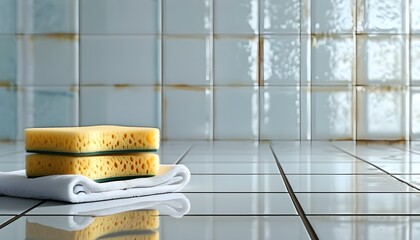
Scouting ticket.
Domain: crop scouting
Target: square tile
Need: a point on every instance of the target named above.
(120, 60)
(8, 113)
(381, 60)
(48, 16)
(279, 16)
(8, 59)
(232, 168)
(192, 122)
(380, 113)
(15, 206)
(187, 61)
(280, 113)
(381, 16)
(236, 113)
(332, 116)
(236, 16)
(332, 16)
(415, 114)
(49, 60)
(196, 20)
(414, 16)
(120, 16)
(281, 60)
(236, 61)
(415, 60)
(8, 11)
(134, 106)
(333, 60)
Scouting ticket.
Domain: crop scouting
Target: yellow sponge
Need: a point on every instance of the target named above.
(91, 140)
(100, 168)
(127, 225)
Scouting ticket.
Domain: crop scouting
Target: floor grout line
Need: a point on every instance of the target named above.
(16, 217)
(294, 199)
(183, 154)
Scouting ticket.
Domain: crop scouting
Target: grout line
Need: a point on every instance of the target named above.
(183, 155)
(388, 173)
(241, 215)
(294, 199)
(363, 214)
(20, 215)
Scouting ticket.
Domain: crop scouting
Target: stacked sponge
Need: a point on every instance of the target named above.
(101, 153)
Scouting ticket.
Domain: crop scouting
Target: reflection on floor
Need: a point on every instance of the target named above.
(246, 190)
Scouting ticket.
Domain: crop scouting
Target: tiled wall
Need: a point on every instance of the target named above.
(213, 69)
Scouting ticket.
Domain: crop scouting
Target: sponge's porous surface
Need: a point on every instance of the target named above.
(91, 140)
(140, 224)
(100, 168)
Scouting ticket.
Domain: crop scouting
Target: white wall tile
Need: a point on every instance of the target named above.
(380, 113)
(188, 113)
(415, 114)
(415, 16)
(235, 61)
(187, 61)
(332, 60)
(8, 16)
(48, 16)
(236, 16)
(332, 113)
(281, 60)
(415, 60)
(236, 113)
(46, 60)
(8, 113)
(119, 16)
(119, 60)
(279, 16)
(8, 59)
(332, 16)
(381, 60)
(381, 16)
(280, 113)
(187, 16)
(133, 106)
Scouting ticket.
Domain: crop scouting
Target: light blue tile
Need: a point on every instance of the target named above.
(332, 16)
(415, 113)
(415, 60)
(133, 106)
(187, 16)
(381, 16)
(49, 16)
(280, 16)
(120, 16)
(188, 113)
(119, 60)
(8, 59)
(236, 113)
(8, 16)
(187, 61)
(8, 113)
(49, 60)
(236, 16)
(415, 16)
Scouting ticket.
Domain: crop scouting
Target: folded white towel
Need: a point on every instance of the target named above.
(77, 188)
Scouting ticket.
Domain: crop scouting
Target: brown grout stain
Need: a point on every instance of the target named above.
(243, 37)
(56, 36)
(382, 142)
(260, 72)
(5, 83)
(381, 89)
(188, 87)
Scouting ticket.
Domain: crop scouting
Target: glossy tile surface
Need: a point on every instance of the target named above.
(359, 189)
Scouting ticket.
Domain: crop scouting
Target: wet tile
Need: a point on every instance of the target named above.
(8, 16)
(415, 16)
(186, 61)
(119, 16)
(381, 60)
(329, 168)
(415, 59)
(229, 147)
(235, 61)
(332, 113)
(346, 183)
(49, 60)
(380, 113)
(119, 60)
(8, 113)
(235, 183)
(359, 203)
(365, 227)
(8, 59)
(7, 166)
(178, 20)
(7, 148)
(103, 105)
(192, 122)
(378, 16)
(332, 16)
(415, 114)
(240, 203)
(48, 16)
(236, 16)
(306, 148)
(15, 206)
(281, 60)
(279, 16)
(280, 113)
(321, 158)
(333, 60)
(236, 113)
(15, 155)
(224, 227)
(227, 158)
(232, 168)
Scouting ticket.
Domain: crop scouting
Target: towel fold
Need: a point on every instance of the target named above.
(77, 188)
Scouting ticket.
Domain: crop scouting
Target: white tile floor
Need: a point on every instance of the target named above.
(251, 190)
